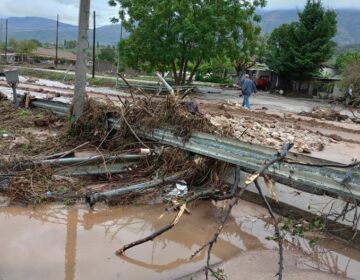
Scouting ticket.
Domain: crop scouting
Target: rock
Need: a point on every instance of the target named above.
(321, 147)
(257, 126)
(335, 137)
(306, 150)
(42, 123)
(275, 135)
(271, 142)
(290, 138)
(21, 141)
(265, 130)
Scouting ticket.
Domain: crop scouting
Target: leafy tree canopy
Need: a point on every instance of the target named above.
(346, 58)
(70, 44)
(173, 35)
(298, 49)
(107, 54)
(23, 48)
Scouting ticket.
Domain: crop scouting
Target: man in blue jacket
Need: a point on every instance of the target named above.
(248, 88)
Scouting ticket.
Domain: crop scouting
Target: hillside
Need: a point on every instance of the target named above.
(348, 23)
(43, 29)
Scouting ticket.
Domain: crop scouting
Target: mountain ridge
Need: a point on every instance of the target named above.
(44, 29)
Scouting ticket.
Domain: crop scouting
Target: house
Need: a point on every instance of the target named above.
(11, 58)
(44, 55)
(263, 76)
(327, 84)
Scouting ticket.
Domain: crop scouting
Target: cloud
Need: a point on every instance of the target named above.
(291, 4)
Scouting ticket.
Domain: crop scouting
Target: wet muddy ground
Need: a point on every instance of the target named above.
(56, 242)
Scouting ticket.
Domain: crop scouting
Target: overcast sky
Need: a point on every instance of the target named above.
(68, 9)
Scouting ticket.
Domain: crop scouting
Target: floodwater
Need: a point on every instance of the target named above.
(56, 242)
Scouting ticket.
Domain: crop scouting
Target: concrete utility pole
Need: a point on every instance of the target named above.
(6, 41)
(80, 74)
(57, 41)
(94, 47)
(121, 36)
(1, 29)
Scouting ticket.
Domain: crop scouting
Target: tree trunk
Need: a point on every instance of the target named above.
(175, 73)
(184, 72)
(194, 71)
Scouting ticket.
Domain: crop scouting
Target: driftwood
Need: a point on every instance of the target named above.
(152, 236)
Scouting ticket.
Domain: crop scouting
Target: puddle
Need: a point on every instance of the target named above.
(56, 242)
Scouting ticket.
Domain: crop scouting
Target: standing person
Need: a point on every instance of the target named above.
(248, 88)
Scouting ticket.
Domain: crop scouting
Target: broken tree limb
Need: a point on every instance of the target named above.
(131, 87)
(278, 236)
(93, 198)
(131, 129)
(152, 236)
(237, 193)
(64, 154)
(170, 89)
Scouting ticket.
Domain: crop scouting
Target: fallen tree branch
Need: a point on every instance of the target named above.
(131, 129)
(64, 154)
(131, 87)
(236, 195)
(278, 236)
(152, 236)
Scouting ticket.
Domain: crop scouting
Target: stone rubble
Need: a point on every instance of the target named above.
(272, 134)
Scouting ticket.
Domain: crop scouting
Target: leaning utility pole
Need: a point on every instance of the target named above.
(94, 46)
(6, 39)
(80, 74)
(57, 41)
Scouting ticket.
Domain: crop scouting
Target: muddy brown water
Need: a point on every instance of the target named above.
(56, 242)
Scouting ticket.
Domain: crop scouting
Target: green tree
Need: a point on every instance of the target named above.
(107, 54)
(248, 49)
(23, 48)
(70, 44)
(215, 70)
(36, 42)
(297, 50)
(345, 58)
(178, 36)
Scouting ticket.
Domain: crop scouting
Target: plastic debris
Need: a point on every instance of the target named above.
(180, 190)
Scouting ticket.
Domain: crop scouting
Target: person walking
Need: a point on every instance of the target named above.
(248, 88)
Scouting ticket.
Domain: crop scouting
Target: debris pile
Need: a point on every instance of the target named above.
(271, 134)
(121, 161)
(325, 114)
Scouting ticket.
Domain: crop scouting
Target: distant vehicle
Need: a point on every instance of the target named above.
(262, 82)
